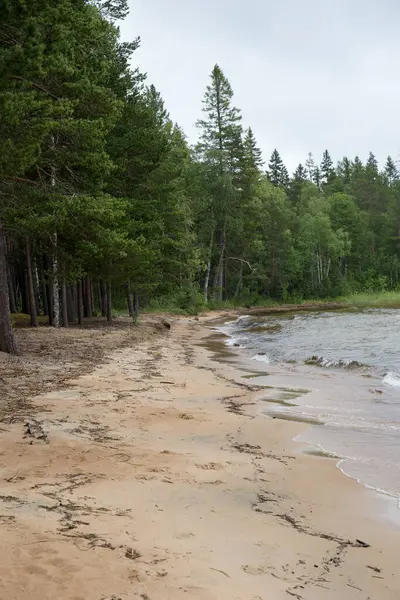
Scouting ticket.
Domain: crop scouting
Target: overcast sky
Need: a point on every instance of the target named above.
(307, 74)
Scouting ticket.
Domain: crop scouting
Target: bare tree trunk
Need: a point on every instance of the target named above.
(103, 299)
(23, 282)
(219, 277)
(136, 304)
(240, 282)
(11, 289)
(85, 303)
(36, 286)
(49, 287)
(71, 304)
(43, 288)
(109, 306)
(87, 300)
(56, 291)
(30, 286)
(79, 302)
(91, 296)
(129, 294)
(208, 272)
(7, 339)
(64, 304)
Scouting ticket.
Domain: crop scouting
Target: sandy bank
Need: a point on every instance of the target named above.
(151, 477)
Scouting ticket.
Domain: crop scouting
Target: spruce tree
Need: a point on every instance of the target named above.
(300, 173)
(391, 173)
(344, 170)
(326, 168)
(372, 164)
(221, 149)
(252, 154)
(317, 177)
(221, 126)
(277, 172)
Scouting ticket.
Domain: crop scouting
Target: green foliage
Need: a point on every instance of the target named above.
(94, 172)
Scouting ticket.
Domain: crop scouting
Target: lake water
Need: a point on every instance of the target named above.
(339, 370)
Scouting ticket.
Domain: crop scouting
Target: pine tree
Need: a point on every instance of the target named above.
(372, 165)
(327, 170)
(297, 183)
(317, 177)
(221, 149)
(277, 172)
(344, 170)
(300, 173)
(221, 127)
(112, 9)
(391, 172)
(252, 154)
(285, 178)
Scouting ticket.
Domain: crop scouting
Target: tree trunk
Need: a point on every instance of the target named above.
(36, 286)
(71, 304)
(98, 287)
(56, 291)
(129, 295)
(240, 282)
(91, 297)
(30, 285)
(79, 302)
(23, 284)
(103, 299)
(136, 304)
(7, 339)
(85, 302)
(64, 304)
(219, 277)
(11, 290)
(207, 279)
(43, 288)
(109, 306)
(88, 298)
(49, 290)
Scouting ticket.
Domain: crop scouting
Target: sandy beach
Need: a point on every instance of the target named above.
(154, 476)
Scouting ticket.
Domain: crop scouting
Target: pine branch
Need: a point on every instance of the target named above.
(37, 86)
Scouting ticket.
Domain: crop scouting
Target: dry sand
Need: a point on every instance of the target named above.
(150, 478)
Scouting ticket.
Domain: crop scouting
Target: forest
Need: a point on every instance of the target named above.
(103, 202)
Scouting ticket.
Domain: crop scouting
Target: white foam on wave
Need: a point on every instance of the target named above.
(392, 379)
(321, 361)
(261, 358)
(239, 342)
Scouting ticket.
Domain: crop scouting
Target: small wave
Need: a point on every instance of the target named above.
(257, 328)
(243, 318)
(237, 342)
(321, 361)
(261, 357)
(392, 379)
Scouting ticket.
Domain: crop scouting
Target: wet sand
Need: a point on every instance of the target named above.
(156, 476)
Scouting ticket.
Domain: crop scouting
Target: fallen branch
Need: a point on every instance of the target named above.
(219, 571)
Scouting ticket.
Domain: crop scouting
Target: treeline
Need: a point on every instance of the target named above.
(102, 198)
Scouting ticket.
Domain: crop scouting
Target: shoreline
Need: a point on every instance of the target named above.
(155, 470)
(296, 405)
